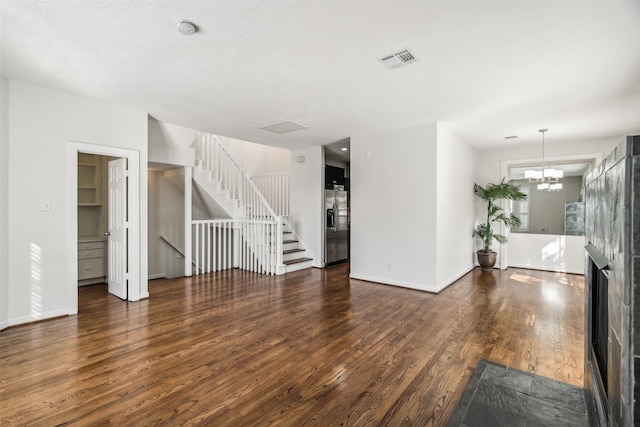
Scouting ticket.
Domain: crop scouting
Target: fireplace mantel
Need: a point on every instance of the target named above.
(598, 257)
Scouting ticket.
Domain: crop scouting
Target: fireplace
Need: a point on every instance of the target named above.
(612, 294)
(598, 312)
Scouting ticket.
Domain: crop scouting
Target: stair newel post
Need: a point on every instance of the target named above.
(198, 146)
(241, 191)
(207, 153)
(279, 242)
(188, 217)
(217, 160)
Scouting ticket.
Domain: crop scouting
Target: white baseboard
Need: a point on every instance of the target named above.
(34, 318)
(546, 268)
(385, 281)
(4, 324)
(446, 283)
(157, 276)
(435, 289)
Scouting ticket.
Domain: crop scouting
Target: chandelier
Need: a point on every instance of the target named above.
(548, 179)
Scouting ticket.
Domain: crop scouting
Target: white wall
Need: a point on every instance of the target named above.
(171, 144)
(393, 213)
(41, 124)
(490, 169)
(547, 252)
(306, 189)
(4, 207)
(166, 216)
(455, 173)
(257, 159)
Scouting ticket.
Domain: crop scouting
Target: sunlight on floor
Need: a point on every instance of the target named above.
(525, 278)
(552, 295)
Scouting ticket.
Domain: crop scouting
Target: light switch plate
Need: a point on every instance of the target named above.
(45, 206)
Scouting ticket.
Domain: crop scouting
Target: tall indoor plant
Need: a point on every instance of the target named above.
(491, 193)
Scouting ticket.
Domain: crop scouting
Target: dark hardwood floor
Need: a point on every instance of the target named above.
(310, 348)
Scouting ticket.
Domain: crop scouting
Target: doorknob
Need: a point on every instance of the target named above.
(107, 233)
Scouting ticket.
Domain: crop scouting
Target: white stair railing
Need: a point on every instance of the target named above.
(215, 160)
(275, 189)
(256, 243)
(248, 244)
(213, 245)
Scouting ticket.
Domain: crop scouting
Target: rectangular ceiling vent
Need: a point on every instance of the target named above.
(398, 59)
(284, 127)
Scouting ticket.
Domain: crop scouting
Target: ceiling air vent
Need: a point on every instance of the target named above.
(284, 127)
(398, 59)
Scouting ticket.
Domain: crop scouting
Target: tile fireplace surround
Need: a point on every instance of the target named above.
(612, 197)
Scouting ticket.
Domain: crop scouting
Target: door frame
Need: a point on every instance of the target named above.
(133, 213)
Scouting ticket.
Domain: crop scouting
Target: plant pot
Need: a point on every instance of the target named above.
(486, 259)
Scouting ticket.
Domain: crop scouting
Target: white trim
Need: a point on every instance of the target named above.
(533, 267)
(133, 207)
(394, 283)
(453, 279)
(32, 318)
(158, 276)
(505, 169)
(188, 217)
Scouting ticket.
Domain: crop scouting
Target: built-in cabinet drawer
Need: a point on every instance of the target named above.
(90, 268)
(91, 253)
(91, 245)
(91, 260)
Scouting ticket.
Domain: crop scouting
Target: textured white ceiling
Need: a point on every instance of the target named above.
(489, 69)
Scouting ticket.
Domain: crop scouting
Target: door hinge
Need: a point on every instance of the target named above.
(126, 224)
(126, 174)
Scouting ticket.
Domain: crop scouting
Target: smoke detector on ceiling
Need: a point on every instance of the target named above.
(284, 127)
(398, 59)
(187, 28)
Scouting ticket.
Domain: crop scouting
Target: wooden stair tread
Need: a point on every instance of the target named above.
(289, 241)
(290, 251)
(296, 261)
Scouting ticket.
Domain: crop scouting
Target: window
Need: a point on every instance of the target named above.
(520, 209)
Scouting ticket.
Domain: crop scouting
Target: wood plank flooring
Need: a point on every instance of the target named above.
(311, 348)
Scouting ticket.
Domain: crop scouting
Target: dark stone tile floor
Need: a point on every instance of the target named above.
(500, 396)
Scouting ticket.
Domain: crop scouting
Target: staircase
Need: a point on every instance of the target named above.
(293, 256)
(255, 237)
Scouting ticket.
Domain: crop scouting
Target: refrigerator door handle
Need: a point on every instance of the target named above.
(335, 210)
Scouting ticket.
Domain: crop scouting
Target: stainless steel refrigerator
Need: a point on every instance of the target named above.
(336, 231)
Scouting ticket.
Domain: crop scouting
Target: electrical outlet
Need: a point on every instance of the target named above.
(45, 206)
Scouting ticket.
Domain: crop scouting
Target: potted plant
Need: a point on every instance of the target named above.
(491, 193)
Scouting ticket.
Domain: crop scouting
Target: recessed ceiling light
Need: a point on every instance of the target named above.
(344, 149)
(187, 28)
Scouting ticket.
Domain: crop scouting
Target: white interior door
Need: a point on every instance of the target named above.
(117, 230)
